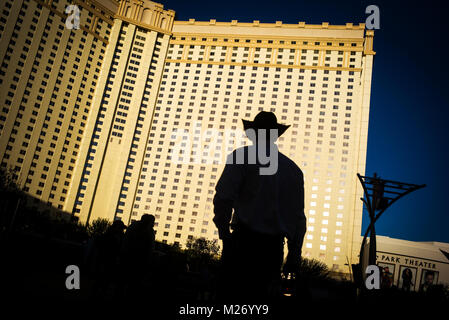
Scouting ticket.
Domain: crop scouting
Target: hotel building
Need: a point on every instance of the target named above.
(93, 118)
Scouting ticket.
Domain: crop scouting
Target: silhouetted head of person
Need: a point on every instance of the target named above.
(118, 226)
(148, 220)
(264, 128)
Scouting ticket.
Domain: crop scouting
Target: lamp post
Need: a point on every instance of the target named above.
(380, 194)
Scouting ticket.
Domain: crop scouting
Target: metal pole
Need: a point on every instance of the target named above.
(369, 207)
(372, 247)
(416, 187)
(377, 202)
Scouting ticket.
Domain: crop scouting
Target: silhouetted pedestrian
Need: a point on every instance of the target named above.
(260, 195)
(107, 258)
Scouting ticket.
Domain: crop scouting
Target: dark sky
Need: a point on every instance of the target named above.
(408, 131)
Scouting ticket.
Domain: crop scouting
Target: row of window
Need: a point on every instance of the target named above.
(260, 41)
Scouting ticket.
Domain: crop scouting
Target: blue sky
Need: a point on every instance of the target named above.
(408, 131)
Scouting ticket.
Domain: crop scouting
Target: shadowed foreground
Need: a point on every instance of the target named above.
(33, 271)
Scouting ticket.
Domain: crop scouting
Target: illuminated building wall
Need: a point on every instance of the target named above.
(110, 159)
(159, 77)
(48, 76)
(316, 78)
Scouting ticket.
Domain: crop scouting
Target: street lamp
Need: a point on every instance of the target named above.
(380, 194)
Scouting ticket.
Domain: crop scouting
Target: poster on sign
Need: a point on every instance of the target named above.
(386, 274)
(407, 278)
(428, 279)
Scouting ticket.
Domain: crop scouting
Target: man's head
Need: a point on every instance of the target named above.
(118, 226)
(263, 132)
(148, 219)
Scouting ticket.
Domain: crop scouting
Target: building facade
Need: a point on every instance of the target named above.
(48, 77)
(161, 105)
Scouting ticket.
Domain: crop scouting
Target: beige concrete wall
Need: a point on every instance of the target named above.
(48, 91)
(112, 159)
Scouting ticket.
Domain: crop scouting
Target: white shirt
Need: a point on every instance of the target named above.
(270, 204)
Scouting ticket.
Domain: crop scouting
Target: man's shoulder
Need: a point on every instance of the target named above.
(239, 155)
(290, 164)
(132, 227)
(240, 149)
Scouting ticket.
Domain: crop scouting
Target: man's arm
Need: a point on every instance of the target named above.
(295, 243)
(227, 189)
(223, 214)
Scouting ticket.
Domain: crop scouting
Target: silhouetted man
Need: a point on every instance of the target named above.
(137, 254)
(262, 192)
(109, 246)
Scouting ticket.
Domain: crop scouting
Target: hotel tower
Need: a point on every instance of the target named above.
(112, 109)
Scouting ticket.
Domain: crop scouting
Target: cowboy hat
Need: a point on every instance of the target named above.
(265, 120)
